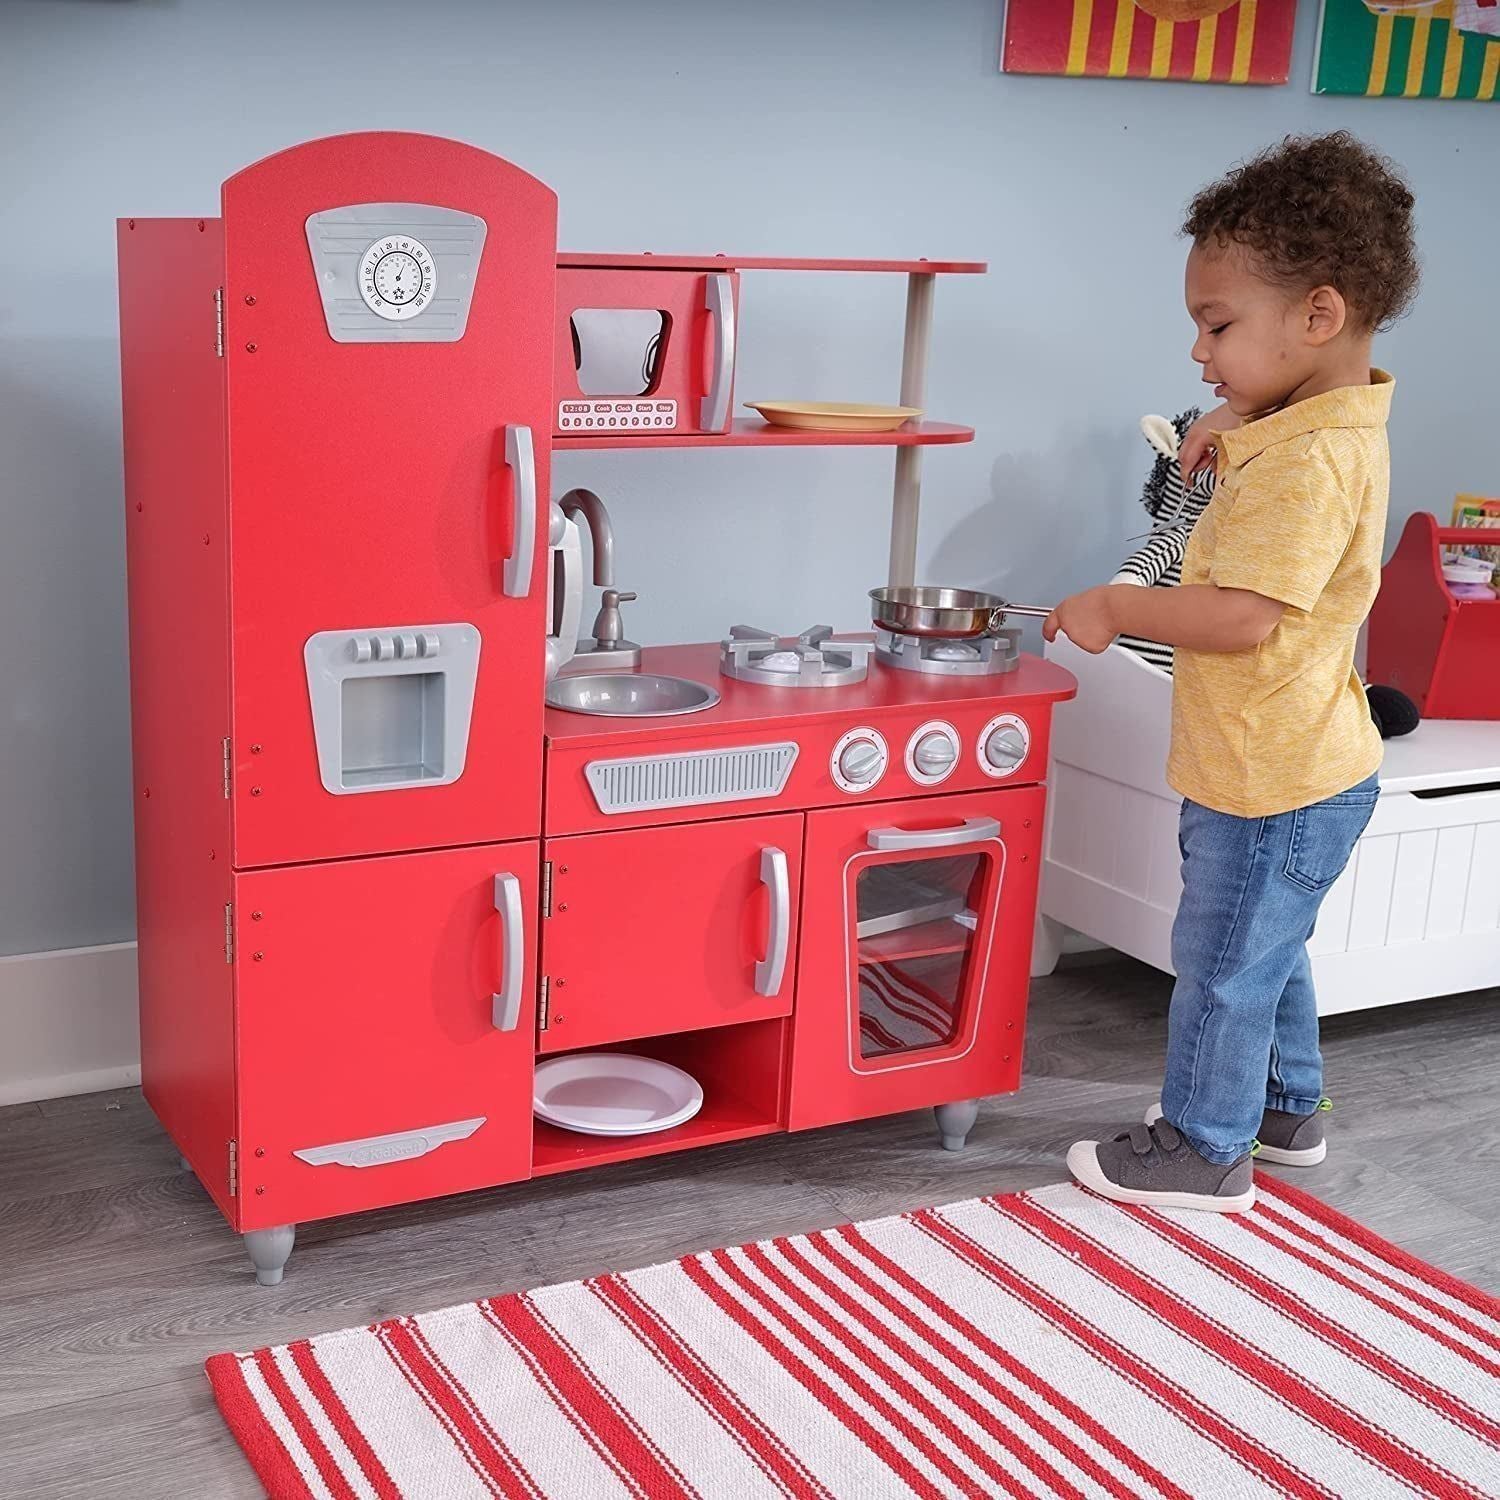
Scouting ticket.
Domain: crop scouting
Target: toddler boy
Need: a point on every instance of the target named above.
(1298, 257)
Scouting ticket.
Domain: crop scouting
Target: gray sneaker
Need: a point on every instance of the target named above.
(1287, 1139)
(1154, 1165)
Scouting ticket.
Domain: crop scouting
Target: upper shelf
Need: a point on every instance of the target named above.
(751, 432)
(649, 262)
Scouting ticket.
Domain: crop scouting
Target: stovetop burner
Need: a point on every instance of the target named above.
(816, 659)
(976, 656)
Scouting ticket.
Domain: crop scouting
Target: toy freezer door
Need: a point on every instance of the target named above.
(385, 1028)
(388, 499)
(677, 928)
(916, 924)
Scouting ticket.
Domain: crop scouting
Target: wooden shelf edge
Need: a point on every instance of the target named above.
(751, 432)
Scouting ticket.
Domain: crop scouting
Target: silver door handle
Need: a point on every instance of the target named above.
(771, 970)
(520, 459)
(718, 298)
(505, 1004)
(970, 831)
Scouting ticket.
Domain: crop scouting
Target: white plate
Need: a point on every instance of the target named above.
(614, 1093)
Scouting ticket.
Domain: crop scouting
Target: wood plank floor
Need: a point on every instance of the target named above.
(117, 1277)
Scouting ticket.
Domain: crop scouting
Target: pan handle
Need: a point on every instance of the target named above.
(1031, 611)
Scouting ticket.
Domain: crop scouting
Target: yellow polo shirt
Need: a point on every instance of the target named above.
(1298, 515)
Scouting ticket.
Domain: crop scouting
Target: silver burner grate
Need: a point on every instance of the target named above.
(944, 656)
(816, 659)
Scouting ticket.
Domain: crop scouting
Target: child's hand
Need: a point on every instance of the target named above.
(1087, 619)
(1198, 447)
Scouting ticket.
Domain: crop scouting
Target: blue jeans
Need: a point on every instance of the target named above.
(1243, 1032)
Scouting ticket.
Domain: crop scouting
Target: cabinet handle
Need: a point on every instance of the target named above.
(718, 298)
(770, 971)
(520, 459)
(970, 831)
(505, 1004)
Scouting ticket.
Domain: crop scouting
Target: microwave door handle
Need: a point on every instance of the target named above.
(520, 459)
(970, 831)
(771, 970)
(718, 298)
(505, 1004)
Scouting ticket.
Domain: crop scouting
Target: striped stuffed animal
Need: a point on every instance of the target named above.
(1174, 508)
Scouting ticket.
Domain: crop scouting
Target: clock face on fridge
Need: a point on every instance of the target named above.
(397, 277)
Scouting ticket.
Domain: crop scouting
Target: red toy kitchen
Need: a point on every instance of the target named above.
(436, 891)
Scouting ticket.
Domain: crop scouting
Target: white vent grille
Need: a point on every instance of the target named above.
(692, 778)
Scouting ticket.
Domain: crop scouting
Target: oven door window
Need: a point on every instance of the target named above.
(916, 962)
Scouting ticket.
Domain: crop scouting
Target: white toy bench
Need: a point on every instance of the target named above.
(1416, 914)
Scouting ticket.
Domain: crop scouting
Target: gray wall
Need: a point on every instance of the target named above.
(841, 127)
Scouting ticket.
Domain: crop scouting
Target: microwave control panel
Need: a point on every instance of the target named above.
(640, 414)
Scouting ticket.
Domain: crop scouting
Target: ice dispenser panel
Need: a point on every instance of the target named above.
(391, 705)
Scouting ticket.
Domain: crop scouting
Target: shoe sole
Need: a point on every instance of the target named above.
(1282, 1156)
(1083, 1163)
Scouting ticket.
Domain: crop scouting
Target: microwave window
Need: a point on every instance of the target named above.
(617, 350)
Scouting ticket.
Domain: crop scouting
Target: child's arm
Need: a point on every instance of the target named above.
(1199, 616)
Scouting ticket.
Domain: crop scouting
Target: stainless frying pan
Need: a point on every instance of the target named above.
(956, 613)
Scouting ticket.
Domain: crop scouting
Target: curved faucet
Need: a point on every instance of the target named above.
(587, 504)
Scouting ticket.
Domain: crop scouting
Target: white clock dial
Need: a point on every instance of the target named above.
(397, 277)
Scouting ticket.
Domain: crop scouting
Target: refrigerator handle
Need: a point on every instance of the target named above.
(718, 298)
(505, 1004)
(970, 831)
(770, 970)
(520, 458)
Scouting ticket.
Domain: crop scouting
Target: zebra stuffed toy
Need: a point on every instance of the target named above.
(1174, 508)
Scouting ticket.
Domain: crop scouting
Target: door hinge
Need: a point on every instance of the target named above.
(546, 887)
(219, 321)
(544, 1005)
(229, 933)
(228, 767)
(234, 1169)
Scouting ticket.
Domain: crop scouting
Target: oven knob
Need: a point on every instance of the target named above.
(934, 754)
(860, 762)
(1004, 745)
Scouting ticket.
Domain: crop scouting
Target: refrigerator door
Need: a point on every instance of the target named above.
(387, 330)
(386, 1034)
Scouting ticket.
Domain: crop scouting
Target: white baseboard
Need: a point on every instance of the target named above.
(68, 1023)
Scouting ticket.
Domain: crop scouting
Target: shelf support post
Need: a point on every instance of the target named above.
(906, 501)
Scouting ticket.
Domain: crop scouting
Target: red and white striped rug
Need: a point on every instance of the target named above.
(1040, 1344)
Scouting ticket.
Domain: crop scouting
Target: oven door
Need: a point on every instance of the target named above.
(644, 353)
(916, 938)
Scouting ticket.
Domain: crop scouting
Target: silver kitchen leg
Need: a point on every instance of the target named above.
(270, 1249)
(955, 1121)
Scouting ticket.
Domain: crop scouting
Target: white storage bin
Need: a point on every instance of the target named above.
(1417, 913)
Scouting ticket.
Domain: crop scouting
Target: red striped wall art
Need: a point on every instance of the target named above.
(1190, 41)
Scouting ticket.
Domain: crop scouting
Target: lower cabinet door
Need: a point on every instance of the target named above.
(916, 940)
(676, 928)
(386, 1014)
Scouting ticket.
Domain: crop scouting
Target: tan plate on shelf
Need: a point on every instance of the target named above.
(834, 416)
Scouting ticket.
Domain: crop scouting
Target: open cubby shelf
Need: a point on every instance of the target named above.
(742, 1069)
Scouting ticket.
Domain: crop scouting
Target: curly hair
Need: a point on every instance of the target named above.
(1319, 210)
